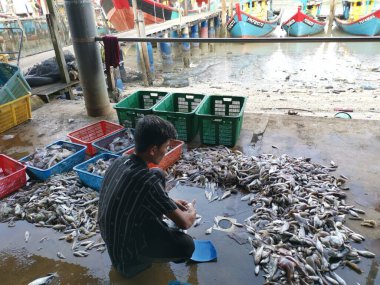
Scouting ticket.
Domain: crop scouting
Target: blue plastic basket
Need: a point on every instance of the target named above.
(12, 83)
(63, 166)
(102, 144)
(90, 179)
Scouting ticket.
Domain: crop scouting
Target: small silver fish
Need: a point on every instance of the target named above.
(44, 238)
(60, 255)
(238, 224)
(81, 253)
(209, 231)
(27, 235)
(225, 194)
(44, 280)
(197, 222)
(246, 197)
(366, 253)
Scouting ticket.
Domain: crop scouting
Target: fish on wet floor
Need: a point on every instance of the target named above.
(296, 225)
(44, 280)
(60, 203)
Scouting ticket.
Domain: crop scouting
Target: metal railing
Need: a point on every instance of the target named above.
(250, 40)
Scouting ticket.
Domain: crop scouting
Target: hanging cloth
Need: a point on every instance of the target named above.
(111, 52)
(121, 4)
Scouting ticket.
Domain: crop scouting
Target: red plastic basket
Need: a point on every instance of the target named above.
(87, 135)
(12, 175)
(169, 159)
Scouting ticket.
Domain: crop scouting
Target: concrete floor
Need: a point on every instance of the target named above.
(354, 145)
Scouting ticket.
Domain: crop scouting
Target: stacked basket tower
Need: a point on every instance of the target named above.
(14, 97)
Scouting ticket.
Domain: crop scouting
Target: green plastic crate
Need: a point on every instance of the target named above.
(137, 105)
(220, 119)
(179, 109)
(12, 83)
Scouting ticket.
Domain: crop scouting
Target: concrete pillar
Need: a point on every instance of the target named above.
(150, 57)
(195, 51)
(167, 55)
(211, 34)
(176, 47)
(204, 34)
(217, 24)
(80, 14)
(186, 47)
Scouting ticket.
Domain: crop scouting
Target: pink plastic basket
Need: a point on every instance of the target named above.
(87, 135)
(12, 175)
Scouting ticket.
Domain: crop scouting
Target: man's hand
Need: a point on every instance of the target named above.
(185, 215)
(182, 204)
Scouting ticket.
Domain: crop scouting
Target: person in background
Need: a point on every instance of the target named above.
(133, 201)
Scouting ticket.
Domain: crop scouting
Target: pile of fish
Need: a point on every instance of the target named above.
(100, 166)
(50, 156)
(296, 227)
(60, 203)
(122, 142)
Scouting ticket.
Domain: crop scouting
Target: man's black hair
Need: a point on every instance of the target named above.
(152, 131)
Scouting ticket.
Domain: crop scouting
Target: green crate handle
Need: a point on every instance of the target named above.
(217, 120)
(190, 97)
(153, 94)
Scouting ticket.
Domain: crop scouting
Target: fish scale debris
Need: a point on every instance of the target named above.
(296, 226)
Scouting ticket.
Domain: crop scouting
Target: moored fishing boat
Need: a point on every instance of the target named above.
(360, 17)
(307, 21)
(253, 18)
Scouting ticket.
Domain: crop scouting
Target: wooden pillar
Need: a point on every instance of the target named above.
(186, 47)
(142, 47)
(224, 17)
(331, 16)
(185, 12)
(231, 8)
(51, 19)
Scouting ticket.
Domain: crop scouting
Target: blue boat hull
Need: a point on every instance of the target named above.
(302, 25)
(250, 26)
(368, 25)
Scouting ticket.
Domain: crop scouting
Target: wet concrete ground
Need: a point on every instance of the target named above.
(354, 145)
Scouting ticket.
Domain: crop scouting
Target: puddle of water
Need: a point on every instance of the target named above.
(19, 267)
(14, 145)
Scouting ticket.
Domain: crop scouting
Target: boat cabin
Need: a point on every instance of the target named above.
(257, 8)
(312, 8)
(353, 10)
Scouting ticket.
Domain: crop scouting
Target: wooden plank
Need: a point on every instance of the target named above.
(52, 22)
(175, 24)
(46, 90)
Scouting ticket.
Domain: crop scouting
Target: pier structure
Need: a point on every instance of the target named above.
(183, 27)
